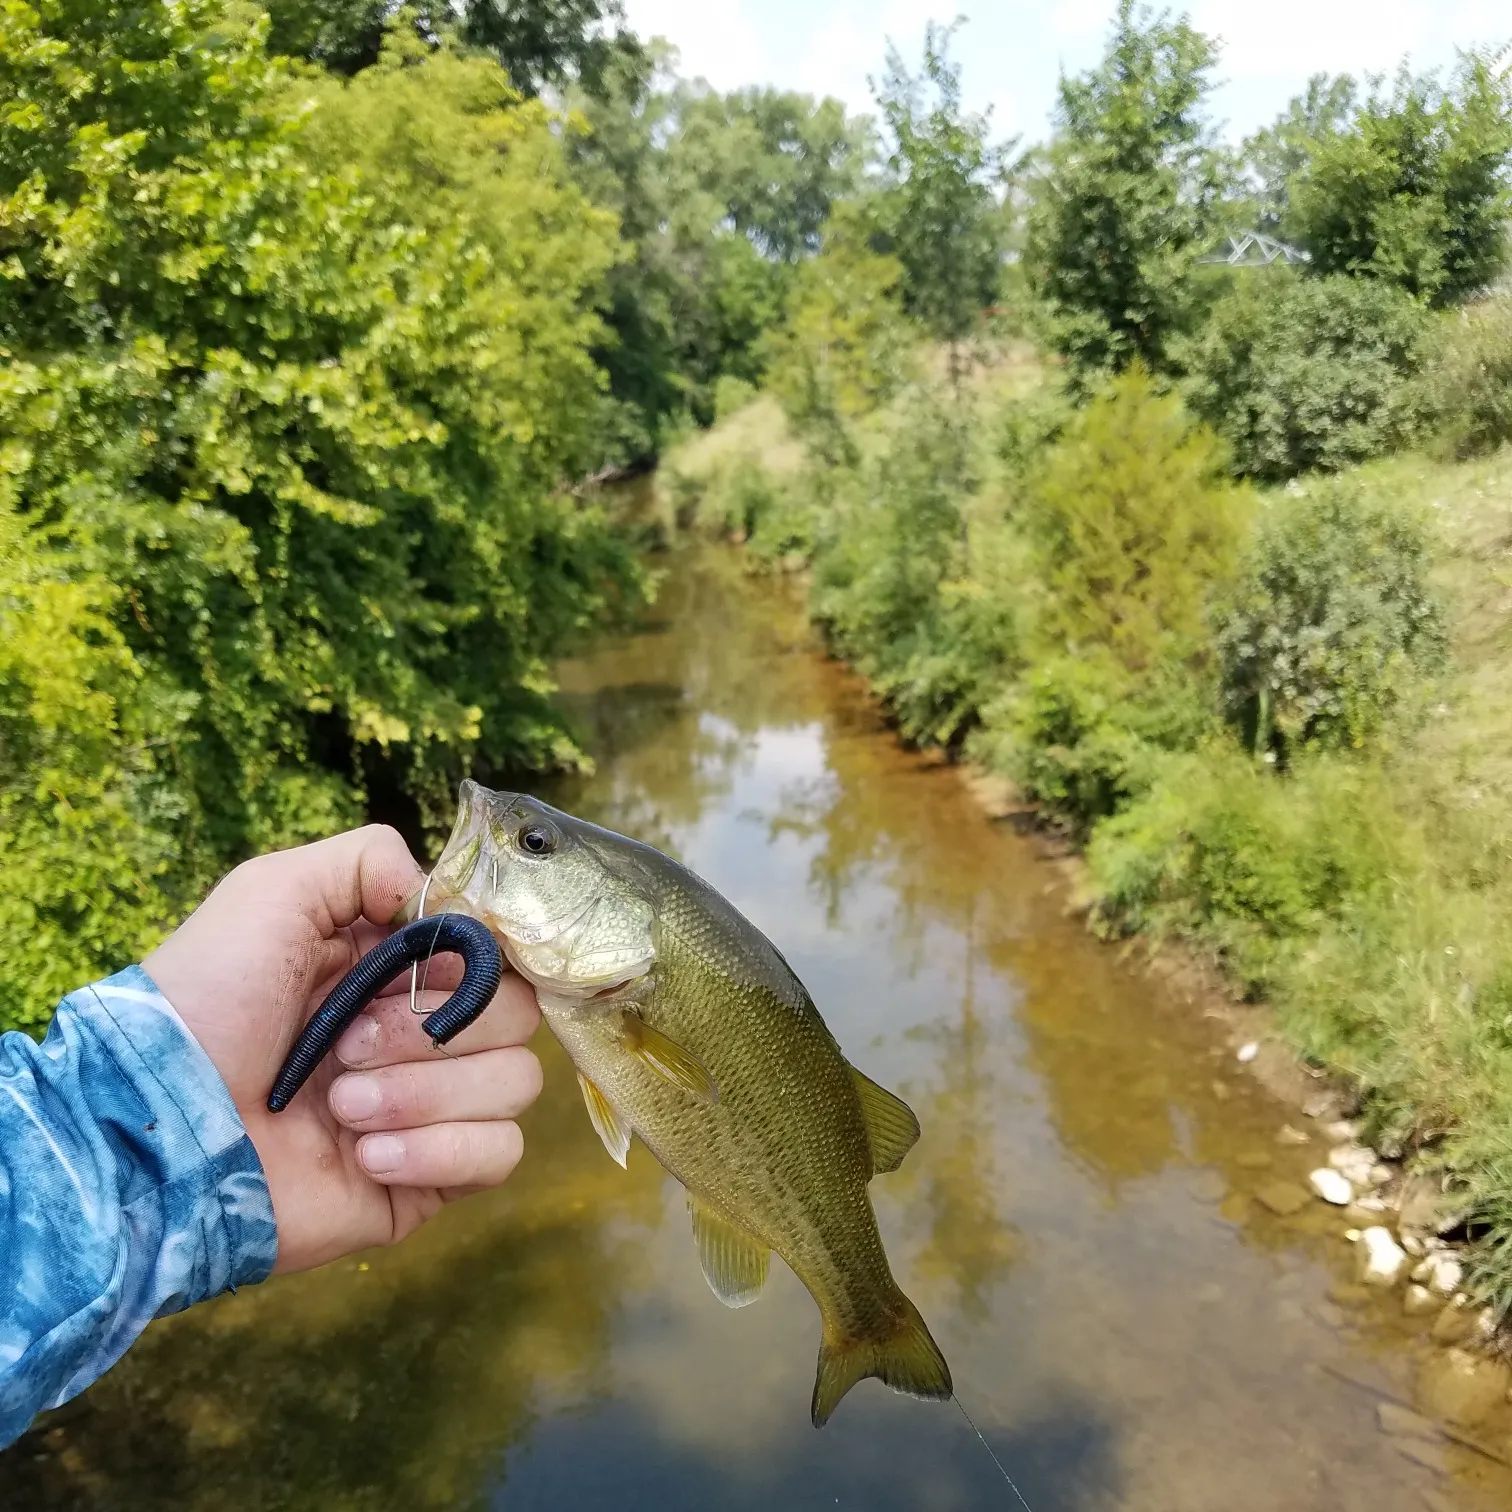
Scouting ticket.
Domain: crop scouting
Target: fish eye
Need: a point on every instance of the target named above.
(536, 841)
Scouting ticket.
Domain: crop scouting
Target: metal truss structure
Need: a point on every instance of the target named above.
(1253, 249)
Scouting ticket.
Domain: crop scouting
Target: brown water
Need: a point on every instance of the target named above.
(1127, 1326)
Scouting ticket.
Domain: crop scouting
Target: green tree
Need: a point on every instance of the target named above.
(842, 348)
(282, 450)
(1275, 155)
(1131, 197)
(540, 42)
(943, 221)
(719, 197)
(1416, 190)
(1134, 524)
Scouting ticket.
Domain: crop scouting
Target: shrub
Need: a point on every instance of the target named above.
(1467, 379)
(891, 535)
(1413, 191)
(1303, 373)
(1334, 620)
(1133, 525)
(1084, 737)
(1220, 849)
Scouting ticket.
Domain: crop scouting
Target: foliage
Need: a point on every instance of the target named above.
(1083, 736)
(540, 42)
(842, 350)
(87, 819)
(1218, 849)
(942, 214)
(1130, 197)
(718, 197)
(1275, 155)
(1334, 622)
(1134, 526)
(892, 533)
(307, 420)
(342, 35)
(1467, 377)
(1304, 373)
(1416, 190)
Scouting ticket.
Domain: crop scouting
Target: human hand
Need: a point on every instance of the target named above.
(364, 1156)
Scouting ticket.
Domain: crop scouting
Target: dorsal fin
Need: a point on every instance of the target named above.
(890, 1124)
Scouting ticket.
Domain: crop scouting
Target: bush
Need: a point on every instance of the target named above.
(1467, 379)
(1133, 526)
(1221, 850)
(1334, 621)
(1083, 737)
(891, 534)
(1304, 373)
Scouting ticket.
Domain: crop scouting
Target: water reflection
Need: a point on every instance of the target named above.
(1128, 1328)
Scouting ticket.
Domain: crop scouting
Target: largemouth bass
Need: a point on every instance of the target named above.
(689, 1029)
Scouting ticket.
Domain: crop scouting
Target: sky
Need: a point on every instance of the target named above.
(1012, 51)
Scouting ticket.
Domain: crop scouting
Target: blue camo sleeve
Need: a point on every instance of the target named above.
(128, 1190)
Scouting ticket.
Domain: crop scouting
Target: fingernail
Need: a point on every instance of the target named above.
(360, 1042)
(356, 1097)
(382, 1154)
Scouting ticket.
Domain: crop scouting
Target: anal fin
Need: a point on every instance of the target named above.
(890, 1123)
(734, 1264)
(610, 1127)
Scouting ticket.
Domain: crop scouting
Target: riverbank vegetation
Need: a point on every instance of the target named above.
(1209, 560)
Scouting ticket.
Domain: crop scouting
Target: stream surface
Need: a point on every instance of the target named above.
(1127, 1326)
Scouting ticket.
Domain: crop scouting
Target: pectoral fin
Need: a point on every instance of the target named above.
(734, 1264)
(611, 1128)
(668, 1059)
(890, 1124)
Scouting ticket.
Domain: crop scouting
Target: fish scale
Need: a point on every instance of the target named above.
(691, 1031)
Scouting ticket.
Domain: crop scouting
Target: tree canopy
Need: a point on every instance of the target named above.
(1131, 195)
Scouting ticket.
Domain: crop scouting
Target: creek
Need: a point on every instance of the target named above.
(1128, 1326)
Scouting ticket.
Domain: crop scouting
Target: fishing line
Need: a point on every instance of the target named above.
(1023, 1502)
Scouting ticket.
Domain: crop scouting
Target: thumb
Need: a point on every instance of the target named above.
(366, 873)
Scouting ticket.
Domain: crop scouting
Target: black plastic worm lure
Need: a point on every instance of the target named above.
(444, 934)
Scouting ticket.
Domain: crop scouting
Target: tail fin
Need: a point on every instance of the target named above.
(905, 1358)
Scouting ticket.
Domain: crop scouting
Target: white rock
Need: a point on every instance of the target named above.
(1342, 1132)
(1332, 1186)
(1380, 1174)
(1248, 1052)
(1355, 1161)
(1447, 1274)
(1380, 1258)
(1423, 1269)
(1413, 1244)
(1291, 1136)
